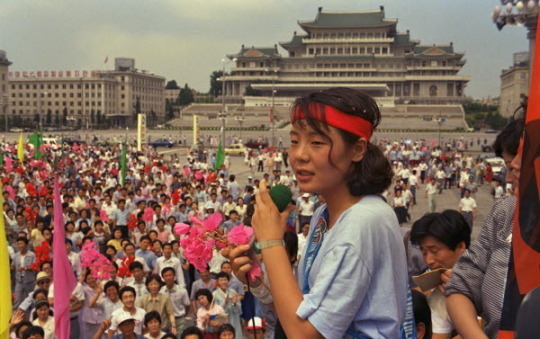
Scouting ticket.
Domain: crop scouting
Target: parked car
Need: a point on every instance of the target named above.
(16, 130)
(497, 164)
(162, 142)
(236, 149)
(256, 145)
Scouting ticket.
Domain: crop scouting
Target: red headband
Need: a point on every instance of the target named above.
(336, 118)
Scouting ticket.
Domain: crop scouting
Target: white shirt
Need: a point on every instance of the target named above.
(179, 298)
(431, 188)
(173, 262)
(467, 204)
(302, 240)
(306, 208)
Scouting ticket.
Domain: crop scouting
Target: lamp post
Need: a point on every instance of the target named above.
(223, 114)
(272, 113)
(519, 13)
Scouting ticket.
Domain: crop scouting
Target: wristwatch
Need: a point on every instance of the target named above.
(269, 243)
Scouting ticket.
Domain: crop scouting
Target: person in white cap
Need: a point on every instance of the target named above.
(255, 328)
(305, 209)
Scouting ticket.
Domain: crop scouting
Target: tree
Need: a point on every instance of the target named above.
(252, 92)
(186, 96)
(92, 117)
(98, 118)
(169, 108)
(216, 85)
(57, 119)
(172, 85)
(64, 116)
(36, 118)
(48, 119)
(153, 117)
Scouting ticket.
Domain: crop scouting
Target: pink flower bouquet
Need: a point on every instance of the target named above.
(202, 237)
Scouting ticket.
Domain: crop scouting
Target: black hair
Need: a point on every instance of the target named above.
(226, 328)
(291, 245)
(135, 265)
(206, 292)
(373, 174)
(448, 227)
(223, 275)
(111, 283)
(38, 291)
(508, 140)
(167, 244)
(21, 325)
(126, 289)
(192, 330)
(33, 330)
(167, 269)
(421, 311)
(153, 277)
(152, 315)
(25, 240)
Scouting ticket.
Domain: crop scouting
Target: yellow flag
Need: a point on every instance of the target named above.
(5, 280)
(20, 149)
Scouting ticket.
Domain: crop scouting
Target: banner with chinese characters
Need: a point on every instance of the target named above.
(53, 74)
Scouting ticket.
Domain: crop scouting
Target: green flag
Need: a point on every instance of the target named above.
(123, 163)
(220, 157)
(1, 159)
(37, 140)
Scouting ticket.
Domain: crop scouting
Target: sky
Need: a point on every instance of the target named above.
(185, 40)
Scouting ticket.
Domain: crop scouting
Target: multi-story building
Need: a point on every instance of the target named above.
(514, 84)
(4, 68)
(363, 50)
(86, 98)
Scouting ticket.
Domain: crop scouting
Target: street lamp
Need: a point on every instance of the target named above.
(519, 13)
(223, 114)
(272, 114)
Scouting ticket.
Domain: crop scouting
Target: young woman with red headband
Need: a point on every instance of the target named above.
(352, 280)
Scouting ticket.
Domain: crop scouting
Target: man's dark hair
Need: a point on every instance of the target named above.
(23, 239)
(508, 140)
(223, 275)
(448, 227)
(192, 330)
(126, 289)
(135, 265)
(31, 331)
(152, 315)
(167, 269)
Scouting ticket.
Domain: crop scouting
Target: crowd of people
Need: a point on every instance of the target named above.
(153, 291)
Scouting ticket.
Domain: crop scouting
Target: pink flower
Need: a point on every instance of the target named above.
(98, 264)
(255, 272)
(212, 222)
(240, 235)
(148, 215)
(181, 229)
(103, 215)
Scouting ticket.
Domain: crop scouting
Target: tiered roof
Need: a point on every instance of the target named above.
(361, 19)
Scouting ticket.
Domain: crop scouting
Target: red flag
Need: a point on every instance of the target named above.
(64, 279)
(524, 266)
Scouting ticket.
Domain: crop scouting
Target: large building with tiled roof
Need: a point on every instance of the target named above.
(357, 49)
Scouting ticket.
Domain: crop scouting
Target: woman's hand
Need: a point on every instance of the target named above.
(268, 223)
(240, 262)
